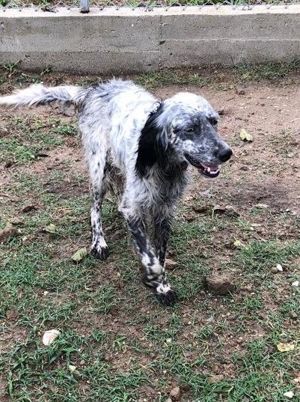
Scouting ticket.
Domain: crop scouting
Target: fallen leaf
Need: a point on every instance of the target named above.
(175, 394)
(238, 244)
(285, 347)
(50, 228)
(49, 336)
(170, 264)
(245, 136)
(79, 255)
(261, 206)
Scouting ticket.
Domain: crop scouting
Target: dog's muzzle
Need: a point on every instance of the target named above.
(209, 169)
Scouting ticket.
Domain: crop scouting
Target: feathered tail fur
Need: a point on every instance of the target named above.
(38, 94)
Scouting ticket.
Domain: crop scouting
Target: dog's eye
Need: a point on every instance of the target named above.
(190, 130)
(213, 121)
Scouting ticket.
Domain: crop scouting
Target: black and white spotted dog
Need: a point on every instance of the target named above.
(145, 146)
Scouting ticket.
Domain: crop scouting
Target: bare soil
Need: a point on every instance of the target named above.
(263, 176)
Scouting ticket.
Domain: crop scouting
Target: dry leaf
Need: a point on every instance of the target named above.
(238, 244)
(50, 228)
(79, 255)
(245, 136)
(49, 336)
(261, 206)
(285, 347)
(175, 394)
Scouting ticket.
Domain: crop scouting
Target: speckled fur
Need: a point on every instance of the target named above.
(144, 145)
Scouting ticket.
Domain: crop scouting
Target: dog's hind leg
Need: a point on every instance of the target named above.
(96, 158)
(154, 272)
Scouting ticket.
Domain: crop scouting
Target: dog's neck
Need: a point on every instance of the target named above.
(154, 148)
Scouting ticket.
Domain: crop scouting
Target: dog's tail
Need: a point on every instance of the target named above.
(38, 94)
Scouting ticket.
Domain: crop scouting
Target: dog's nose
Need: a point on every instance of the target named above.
(225, 154)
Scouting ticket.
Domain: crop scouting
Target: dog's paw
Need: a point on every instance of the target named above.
(167, 299)
(165, 294)
(100, 253)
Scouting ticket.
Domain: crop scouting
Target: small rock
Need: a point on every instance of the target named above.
(189, 217)
(289, 394)
(72, 368)
(295, 284)
(50, 336)
(293, 315)
(175, 394)
(219, 284)
(277, 269)
(215, 378)
(228, 210)
(12, 315)
(261, 206)
(170, 264)
(7, 232)
(42, 154)
(240, 91)
(8, 164)
(28, 208)
(17, 221)
(200, 209)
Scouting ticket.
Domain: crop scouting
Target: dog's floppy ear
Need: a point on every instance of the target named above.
(153, 144)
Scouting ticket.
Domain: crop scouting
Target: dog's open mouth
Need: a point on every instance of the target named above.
(208, 170)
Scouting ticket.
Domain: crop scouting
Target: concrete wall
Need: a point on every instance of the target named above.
(128, 40)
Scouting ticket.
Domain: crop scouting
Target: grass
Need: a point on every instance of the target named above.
(117, 343)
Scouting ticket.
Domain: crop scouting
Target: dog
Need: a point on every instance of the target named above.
(141, 147)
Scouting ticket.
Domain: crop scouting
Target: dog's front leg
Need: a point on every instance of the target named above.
(162, 229)
(154, 272)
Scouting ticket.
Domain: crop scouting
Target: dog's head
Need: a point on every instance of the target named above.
(189, 126)
(186, 125)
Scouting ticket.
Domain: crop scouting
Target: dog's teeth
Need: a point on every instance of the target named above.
(208, 169)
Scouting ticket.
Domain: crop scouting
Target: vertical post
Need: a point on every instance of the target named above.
(84, 6)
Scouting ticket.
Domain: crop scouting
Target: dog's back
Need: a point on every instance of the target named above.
(112, 116)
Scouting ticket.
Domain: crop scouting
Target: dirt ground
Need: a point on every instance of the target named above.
(242, 224)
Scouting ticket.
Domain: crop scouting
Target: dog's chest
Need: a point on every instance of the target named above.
(157, 191)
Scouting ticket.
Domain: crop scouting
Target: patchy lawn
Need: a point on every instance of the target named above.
(117, 343)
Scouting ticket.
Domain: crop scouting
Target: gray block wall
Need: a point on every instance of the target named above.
(125, 40)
